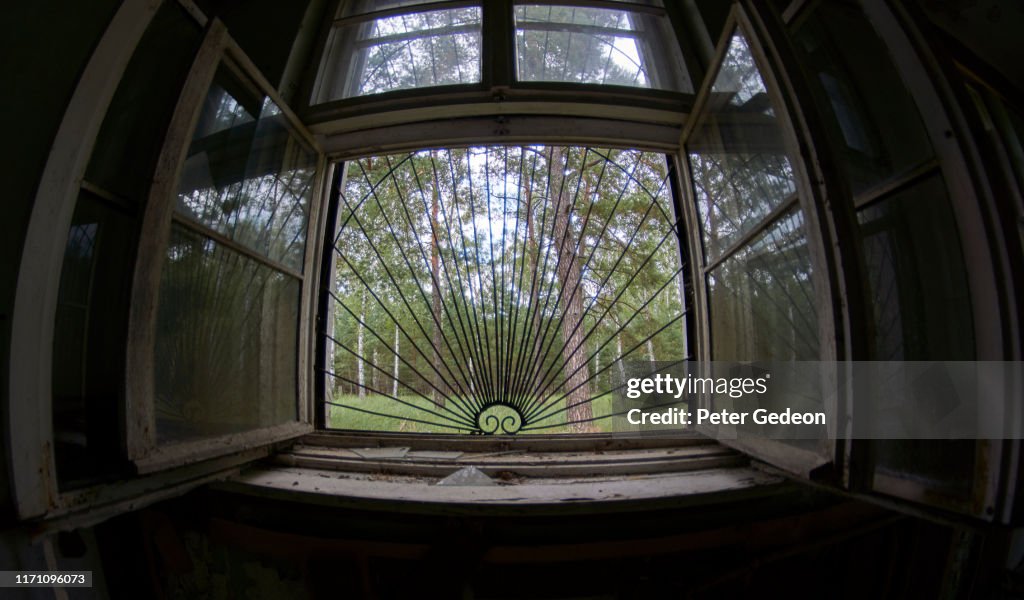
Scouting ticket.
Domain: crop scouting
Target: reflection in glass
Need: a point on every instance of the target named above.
(225, 358)
(761, 299)
(740, 168)
(921, 311)
(597, 45)
(408, 51)
(870, 117)
(917, 276)
(88, 342)
(247, 175)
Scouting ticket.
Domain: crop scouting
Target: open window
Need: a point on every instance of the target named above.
(498, 289)
(902, 241)
(762, 273)
(390, 46)
(222, 289)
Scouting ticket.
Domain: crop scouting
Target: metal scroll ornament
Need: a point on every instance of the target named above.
(499, 419)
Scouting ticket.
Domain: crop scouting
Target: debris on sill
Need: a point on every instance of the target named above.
(467, 476)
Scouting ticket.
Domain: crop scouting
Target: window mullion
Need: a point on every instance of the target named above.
(497, 56)
(240, 248)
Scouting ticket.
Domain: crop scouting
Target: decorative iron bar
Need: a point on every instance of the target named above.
(498, 289)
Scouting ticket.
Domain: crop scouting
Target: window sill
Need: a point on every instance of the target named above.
(528, 475)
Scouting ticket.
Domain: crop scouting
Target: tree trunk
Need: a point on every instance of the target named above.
(618, 356)
(375, 375)
(577, 374)
(359, 346)
(394, 385)
(435, 283)
(532, 349)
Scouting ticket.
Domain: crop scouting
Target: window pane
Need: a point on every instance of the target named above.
(416, 50)
(917, 276)
(761, 300)
(128, 144)
(738, 161)
(873, 123)
(597, 45)
(922, 311)
(247, 175)
(225, 357)
(88, 342)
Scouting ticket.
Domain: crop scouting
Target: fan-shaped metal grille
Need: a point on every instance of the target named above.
(499, 289)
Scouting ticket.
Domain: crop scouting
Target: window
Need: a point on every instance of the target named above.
(499, 289)
(760, 285)
(375, 48)
(90, 327)
(220, 290)
(758, 261)
(580, 44)
(906, 233)
(399, 50)
(228, 309)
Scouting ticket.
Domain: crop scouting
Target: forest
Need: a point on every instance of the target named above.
(500, 289)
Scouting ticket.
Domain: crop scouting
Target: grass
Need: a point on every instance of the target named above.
(406, 418)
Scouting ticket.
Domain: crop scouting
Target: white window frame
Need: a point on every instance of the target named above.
(174, 468)
(142, 447)
(790, 458)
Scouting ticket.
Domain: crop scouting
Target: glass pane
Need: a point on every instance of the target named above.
(917, 274)
(873, 123)
(738, 161)
(598, 45)
(227, 333)
(761, 299)
(248, 175)
(88, 342)
(416, 50)
(128, 144)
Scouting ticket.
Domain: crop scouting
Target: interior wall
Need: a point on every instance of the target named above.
(990, 29)
(265, 29)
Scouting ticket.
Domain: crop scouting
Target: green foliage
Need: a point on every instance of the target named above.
(502, 301)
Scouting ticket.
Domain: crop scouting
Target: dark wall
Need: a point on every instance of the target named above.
(988, 29)
(714, 13)
(265, 29)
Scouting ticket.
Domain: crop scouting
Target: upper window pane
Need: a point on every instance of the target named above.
(873, 124)
(248, 175)
(599, 46)
(399, 52)
(741, 170)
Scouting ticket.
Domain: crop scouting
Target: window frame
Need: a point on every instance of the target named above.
(807, 198)
(30, 432)
(929, 81)
(498, 98)
(142, 449)
(325, 311)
